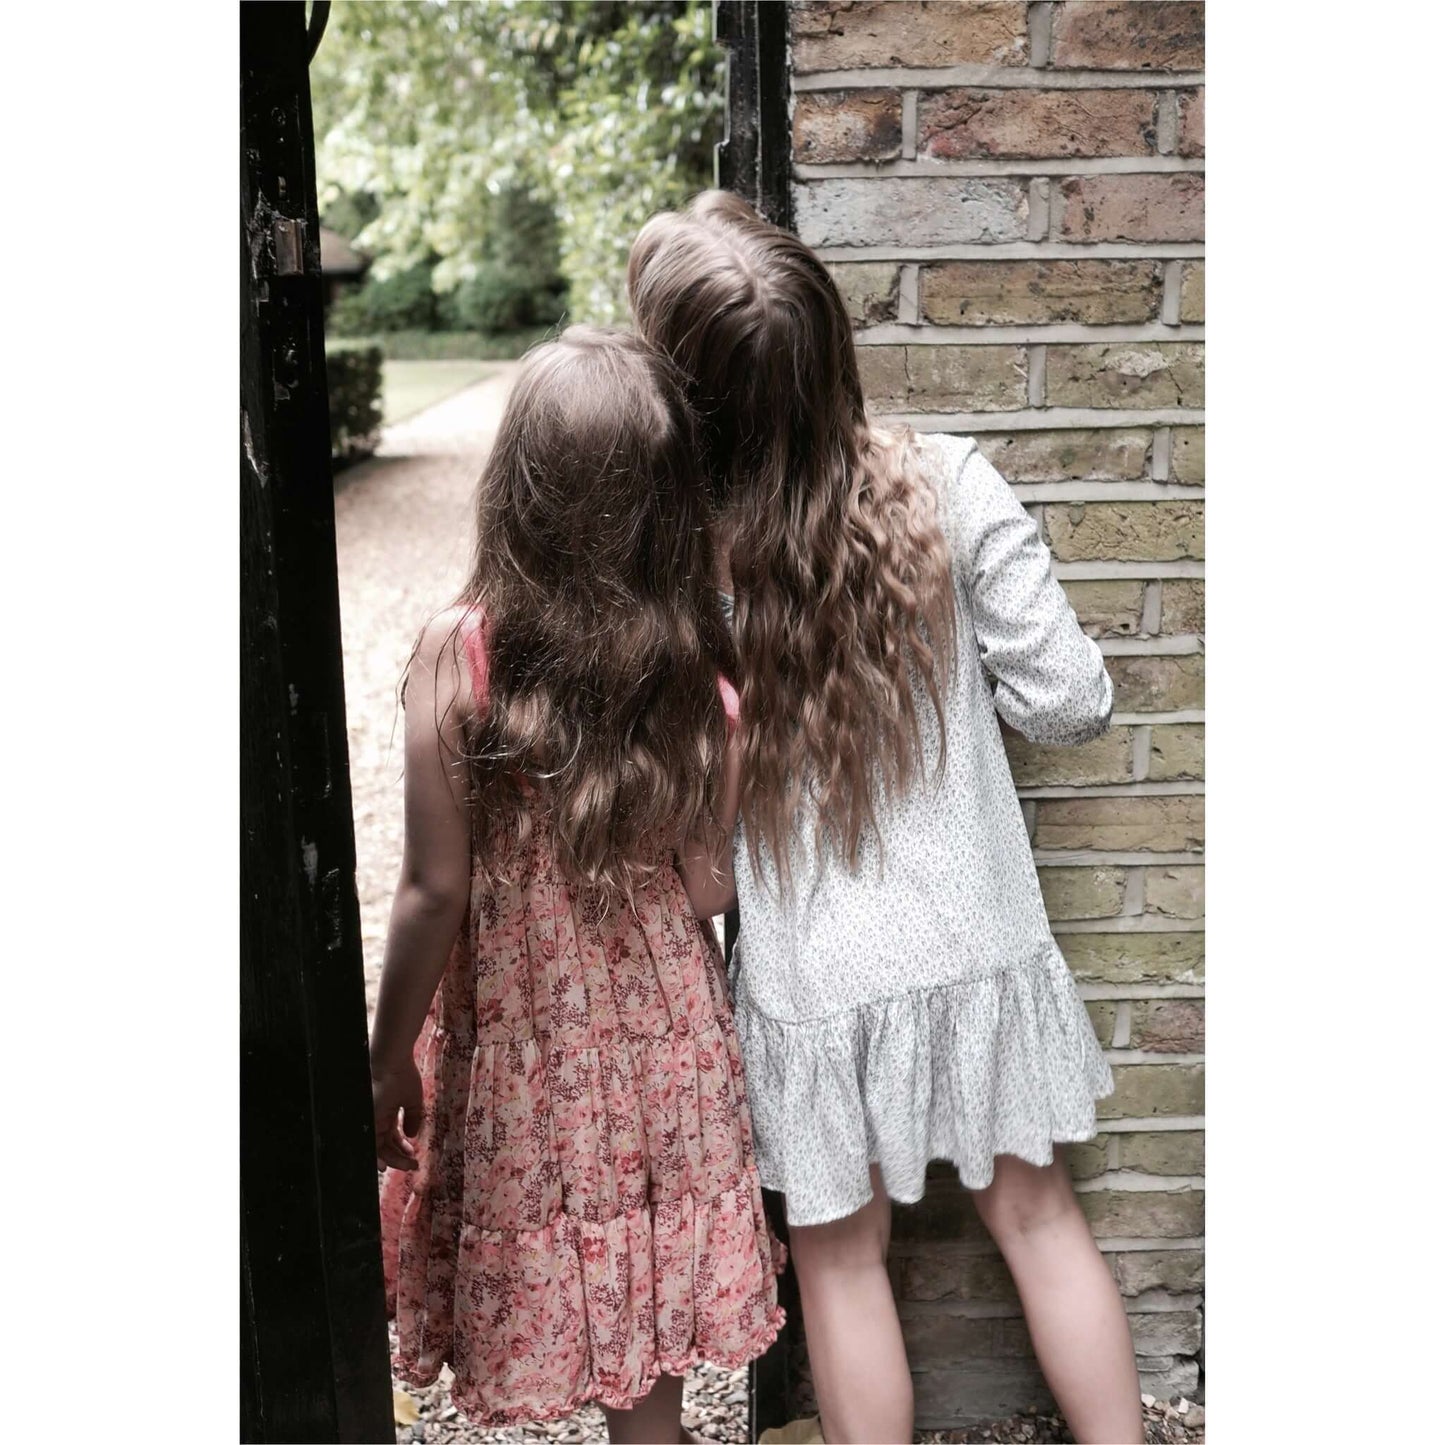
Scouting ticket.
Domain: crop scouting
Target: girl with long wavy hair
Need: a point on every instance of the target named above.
(572, 1211)
(898, 993)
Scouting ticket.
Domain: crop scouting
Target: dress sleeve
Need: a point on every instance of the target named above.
(1050, 680)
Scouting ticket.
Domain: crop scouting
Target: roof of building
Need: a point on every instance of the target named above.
(339, 257)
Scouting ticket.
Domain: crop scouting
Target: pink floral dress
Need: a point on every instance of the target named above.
(586, 1214)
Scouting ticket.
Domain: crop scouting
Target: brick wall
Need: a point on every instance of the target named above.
(1011, 196)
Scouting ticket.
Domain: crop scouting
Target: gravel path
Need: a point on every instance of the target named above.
(403, 524)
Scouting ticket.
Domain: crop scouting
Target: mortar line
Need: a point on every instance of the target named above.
(1019, 251)
(1100, 857)
(907, 294)
(1142, 744)
(1123, 1023)
(909, 144)
(1134, 907)
(1049, 418)
(1169, 302)
(1153, 615)
(1041, 34)
(1040, 208)
(1166, 123)
(919, 333)
(1037, 361)
(1161, 453)
(993, 77)
(924, 167)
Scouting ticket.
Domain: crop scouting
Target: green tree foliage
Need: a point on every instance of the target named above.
(522, 142)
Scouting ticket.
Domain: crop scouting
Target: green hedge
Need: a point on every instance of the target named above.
(458, 345)
(353, 383)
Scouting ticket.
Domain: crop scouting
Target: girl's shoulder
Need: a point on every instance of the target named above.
(451, 654)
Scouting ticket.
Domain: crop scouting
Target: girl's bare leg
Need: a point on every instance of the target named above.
(1075, 1316)
(656, 1420)
(855, 1345)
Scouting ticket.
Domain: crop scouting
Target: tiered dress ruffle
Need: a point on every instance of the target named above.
(587, 1213)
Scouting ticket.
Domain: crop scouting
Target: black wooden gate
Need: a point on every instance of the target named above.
(313, 1330)
(754, 161)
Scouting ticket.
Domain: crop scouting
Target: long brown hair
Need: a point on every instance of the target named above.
(593, 574)
(841, 574)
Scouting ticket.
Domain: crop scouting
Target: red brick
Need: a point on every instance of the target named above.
(848, 125)
(1191, 123)
(1025, 293)
(1168, 1026)
(1132, 208)
(873, 34)
(1135, 35)
(959, 124)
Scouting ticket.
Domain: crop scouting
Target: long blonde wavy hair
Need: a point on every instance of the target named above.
(841, 574)
(593, 578)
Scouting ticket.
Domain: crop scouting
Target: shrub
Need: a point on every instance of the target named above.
(459, 345)
(502, 298)
(402, 302)
(353, 385)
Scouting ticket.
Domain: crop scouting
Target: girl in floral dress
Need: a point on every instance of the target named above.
(571, 1211)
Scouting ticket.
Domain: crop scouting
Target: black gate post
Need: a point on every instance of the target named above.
(313, 1328)
(755, 162)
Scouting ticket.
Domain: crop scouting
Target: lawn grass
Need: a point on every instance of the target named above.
(408, 387)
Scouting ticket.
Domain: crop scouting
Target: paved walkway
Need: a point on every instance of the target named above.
(403, 531)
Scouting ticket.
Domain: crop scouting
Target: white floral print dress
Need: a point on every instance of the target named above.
(918, 1008)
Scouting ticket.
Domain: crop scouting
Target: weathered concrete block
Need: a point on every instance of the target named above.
(1144, 1214)
(1107, 608)
(944, 378)
(1191, 123)
(1157, 684)
(873, 34)
(1175, 892)
(1107, 759)
(1186, 456)
(1172, 1153)
(1126, 374)
(969, 123)
(1171, 1333)
(1126, 531)
(869, 290)
(1180, 1271)
(914, 211)
(1068, 455)
(1071, 893)
(1165, 35)
(1168, 1025)
(847, 125)
(1191, 291)
(1132, 208)
(1120, 825)
(1146, 1091)
(1025, 293)
(1133, 958)
(1176, 751)
(1183, 605)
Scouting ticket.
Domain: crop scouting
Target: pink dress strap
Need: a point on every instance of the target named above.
(729, 700)
(474, 644)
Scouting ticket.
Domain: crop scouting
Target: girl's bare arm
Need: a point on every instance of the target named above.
(431, 895)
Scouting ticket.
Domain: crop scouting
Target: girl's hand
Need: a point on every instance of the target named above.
(397, 1092)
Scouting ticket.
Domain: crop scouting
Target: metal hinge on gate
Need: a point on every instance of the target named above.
(287, 237)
